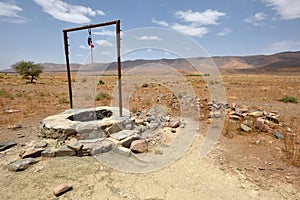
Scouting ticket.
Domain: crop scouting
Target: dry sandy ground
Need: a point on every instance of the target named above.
(221, 175)
(187, 178)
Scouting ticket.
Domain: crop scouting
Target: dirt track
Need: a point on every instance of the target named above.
(187, 178)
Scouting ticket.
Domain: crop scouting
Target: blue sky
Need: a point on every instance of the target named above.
(32, 29)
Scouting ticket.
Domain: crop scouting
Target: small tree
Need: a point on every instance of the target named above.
(29, 70)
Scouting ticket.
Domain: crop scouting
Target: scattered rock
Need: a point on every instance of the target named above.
(259, 124)
(257, 113)
(7, 144)
(61, 189)
(22, 164)
(75, 147)
(139, 146)
(41, 145)
(173, 130)
(48, 153)
(116, 128)
(122, 134)
(15, 126)
(9, 111)
(278, 135)
(32, 153)
(175, 123)
(234, 117)
(124, 151)
(64, 151)
(127, 141)
(245, 128)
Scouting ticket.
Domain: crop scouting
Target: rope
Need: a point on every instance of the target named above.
(90, 43)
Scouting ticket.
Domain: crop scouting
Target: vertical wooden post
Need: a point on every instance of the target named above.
(68, 67)
(118, 41)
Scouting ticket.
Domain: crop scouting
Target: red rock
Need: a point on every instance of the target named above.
(62, 188)
(259, 124)
(139, 146)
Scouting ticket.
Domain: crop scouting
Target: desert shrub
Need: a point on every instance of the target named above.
(101, 82)
(19, 94)
(6, 94)
(102, 95)
(289, 99)
(84, 80)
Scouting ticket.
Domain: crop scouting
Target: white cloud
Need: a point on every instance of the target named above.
(286, 45)
(60, 10)
(104, 43)
(256, 19)
(10, 11)
(225, 31)
(287, 9)
(194, 23)
(104, 33)
(161, 23)
(148, 37)
(190, 30)
(208, 17)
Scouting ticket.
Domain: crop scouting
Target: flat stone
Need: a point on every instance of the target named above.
(175, 123)
(48, 153)
(139, 146)
(124, 151)
(101, 147)
(61, 189)
(116, 128)
(75, 147)
(234, 117)
(245, 128)
(127, 141)
(257, 113)
(7, 144)
(41, 145)
(22, 164)
(122, 134)
(64, 151)
(32, 153)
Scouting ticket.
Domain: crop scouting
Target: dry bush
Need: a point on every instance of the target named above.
(291, 141)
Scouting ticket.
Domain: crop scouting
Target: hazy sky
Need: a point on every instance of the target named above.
(32, 29)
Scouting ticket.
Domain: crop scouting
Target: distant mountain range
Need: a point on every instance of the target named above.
(279, 62)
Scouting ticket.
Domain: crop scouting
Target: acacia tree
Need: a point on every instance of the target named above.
(28, 69)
